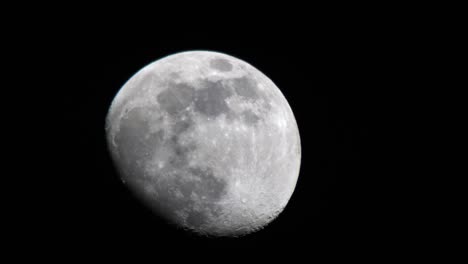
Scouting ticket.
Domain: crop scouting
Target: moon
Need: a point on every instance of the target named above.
(207, 141)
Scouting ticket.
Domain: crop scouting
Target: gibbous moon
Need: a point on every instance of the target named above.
(207, 141)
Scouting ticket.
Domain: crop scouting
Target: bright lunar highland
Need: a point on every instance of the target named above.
(207, 141)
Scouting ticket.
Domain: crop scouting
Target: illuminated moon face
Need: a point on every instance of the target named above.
(207, 141)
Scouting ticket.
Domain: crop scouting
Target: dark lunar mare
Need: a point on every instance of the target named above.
(176, 98)
(211, 99)
(246, 88)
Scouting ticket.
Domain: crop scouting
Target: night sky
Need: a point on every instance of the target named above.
(336, 82)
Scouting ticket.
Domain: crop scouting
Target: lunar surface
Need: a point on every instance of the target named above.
(207, 141)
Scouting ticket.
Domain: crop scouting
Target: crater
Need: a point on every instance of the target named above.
(180, 152)
(221, 65)
(174, 75)
(182, 126)
(211, 99)
(146, 81)
(176, 98)
(245, 87)
(195, 219)
(249, 117)
(207, 185)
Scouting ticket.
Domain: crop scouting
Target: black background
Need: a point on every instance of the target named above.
(338, 78)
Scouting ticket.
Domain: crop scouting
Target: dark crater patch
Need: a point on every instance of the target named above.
(245, 87)
(182, 125)
(221, 65)
(135, 143)
(176, 98)
(202, 182)
(211, 99)
(158, 137)
(196, 219)
(174, 75)
(207, 184)
(145, 81)
(180, 152)
(250, 117)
